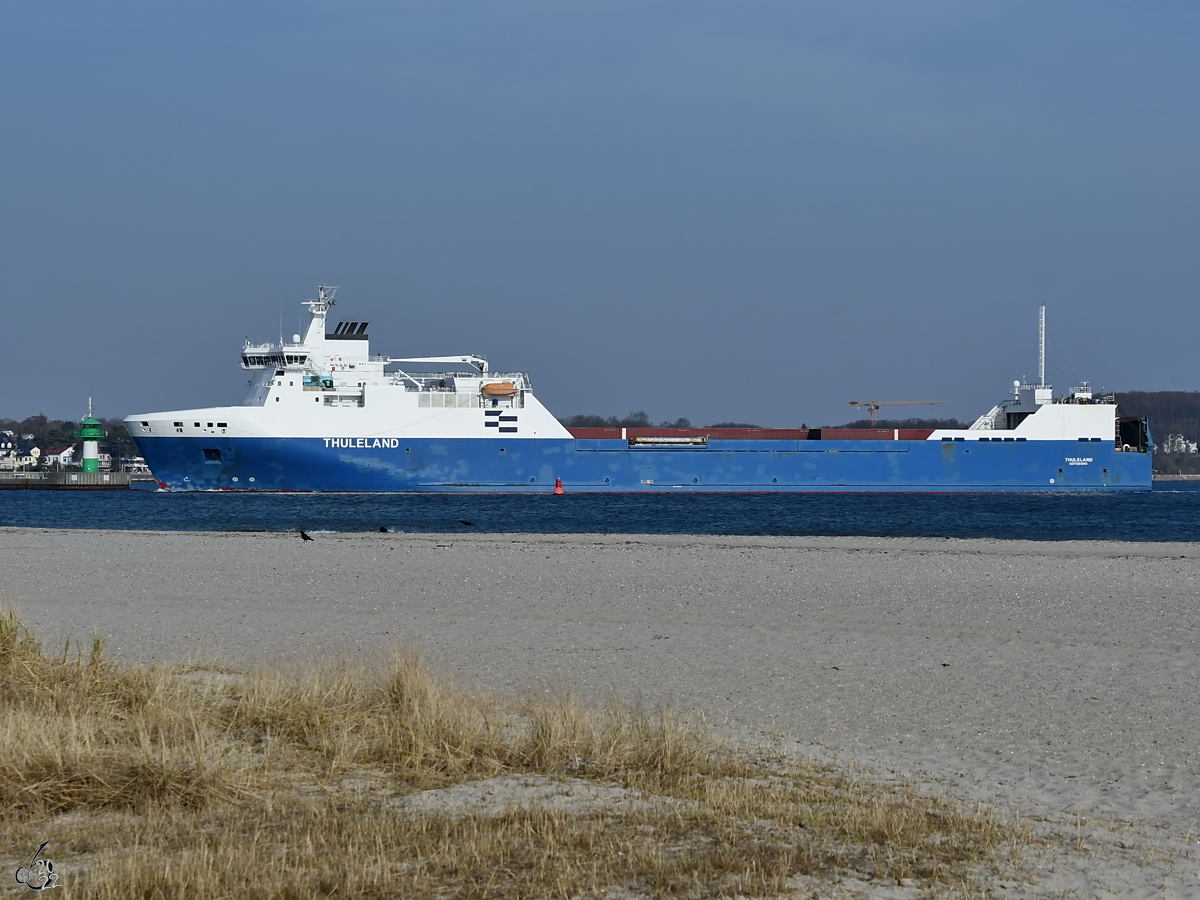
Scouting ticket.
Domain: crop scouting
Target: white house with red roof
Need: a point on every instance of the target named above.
(62, 456)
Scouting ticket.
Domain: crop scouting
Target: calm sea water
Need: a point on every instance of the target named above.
(1171, 512)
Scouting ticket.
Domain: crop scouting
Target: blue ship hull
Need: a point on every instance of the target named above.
(732, 466)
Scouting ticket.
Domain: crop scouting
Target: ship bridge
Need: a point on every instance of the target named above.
(270, 356)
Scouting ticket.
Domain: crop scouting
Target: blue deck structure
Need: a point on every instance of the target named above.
(588, 465)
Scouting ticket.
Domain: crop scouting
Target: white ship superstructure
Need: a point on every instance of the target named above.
(329, 384)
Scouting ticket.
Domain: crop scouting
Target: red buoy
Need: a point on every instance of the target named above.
(558, 486)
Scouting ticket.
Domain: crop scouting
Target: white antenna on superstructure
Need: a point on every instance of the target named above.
(1041, 390)
(1042, 346)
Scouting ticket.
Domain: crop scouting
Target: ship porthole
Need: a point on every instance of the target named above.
(1052, 481)
(695, 481)
(606, 481)
(774, 480)
(531, 481)
(235, 478)
(251, 477)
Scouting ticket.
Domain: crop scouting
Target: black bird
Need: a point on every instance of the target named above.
(468, 524)
(304, 536)
(383, 529)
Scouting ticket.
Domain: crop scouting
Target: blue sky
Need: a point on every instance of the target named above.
(747, 211)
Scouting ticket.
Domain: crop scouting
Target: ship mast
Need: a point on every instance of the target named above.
(1042, 346)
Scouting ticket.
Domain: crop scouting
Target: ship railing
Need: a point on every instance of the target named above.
(447, 400)
(467, 400)
(425, 381)
(1105, 400)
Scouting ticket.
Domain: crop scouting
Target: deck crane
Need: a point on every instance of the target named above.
(873, 405)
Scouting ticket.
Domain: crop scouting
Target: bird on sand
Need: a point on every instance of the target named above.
(468, 524)
(304, 536)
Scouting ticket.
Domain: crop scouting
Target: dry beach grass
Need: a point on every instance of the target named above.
(341, 778)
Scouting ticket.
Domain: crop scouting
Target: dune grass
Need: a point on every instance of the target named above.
(189, 782)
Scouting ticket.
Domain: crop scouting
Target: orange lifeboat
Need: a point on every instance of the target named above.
(499, 389)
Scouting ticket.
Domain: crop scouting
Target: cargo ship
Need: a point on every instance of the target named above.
(325, 414)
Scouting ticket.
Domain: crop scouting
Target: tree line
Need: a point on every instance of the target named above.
(61, 433)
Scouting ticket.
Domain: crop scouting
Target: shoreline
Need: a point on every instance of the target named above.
(1060, 677)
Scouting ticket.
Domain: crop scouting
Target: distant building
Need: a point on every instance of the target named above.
(25, 457)
(59, 456)
(105, 461)
(1177, 444)
(135, 464)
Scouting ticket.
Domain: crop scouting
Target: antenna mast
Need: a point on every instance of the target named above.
(1042, 346)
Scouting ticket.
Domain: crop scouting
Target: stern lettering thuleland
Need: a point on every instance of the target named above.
(362, 442)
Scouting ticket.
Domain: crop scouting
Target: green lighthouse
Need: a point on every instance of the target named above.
(90, 432)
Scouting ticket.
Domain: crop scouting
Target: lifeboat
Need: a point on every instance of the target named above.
(499, 389)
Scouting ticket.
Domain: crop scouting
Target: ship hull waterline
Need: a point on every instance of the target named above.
(534, 465)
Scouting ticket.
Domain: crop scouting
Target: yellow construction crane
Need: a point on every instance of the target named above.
(873, 405)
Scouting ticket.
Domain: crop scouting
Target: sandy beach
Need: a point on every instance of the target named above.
(1059, 678)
